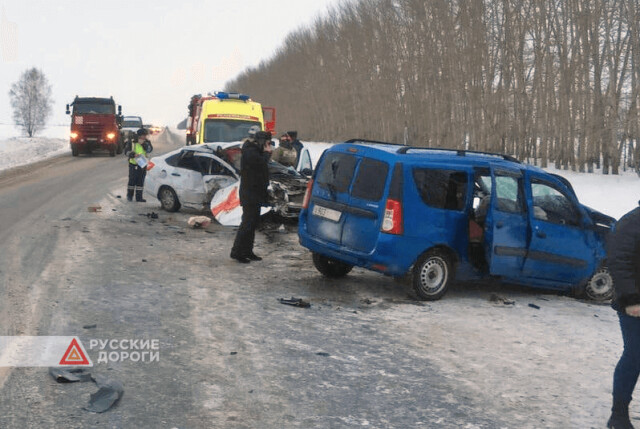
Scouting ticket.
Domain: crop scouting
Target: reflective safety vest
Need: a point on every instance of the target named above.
(138, 150)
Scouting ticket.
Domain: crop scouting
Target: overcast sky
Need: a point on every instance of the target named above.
(151, 56)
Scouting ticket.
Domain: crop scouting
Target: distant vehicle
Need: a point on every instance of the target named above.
(194, 176)
(130, 125)
(445, 214)
(153, 129)
(225, 117)
(95, 125)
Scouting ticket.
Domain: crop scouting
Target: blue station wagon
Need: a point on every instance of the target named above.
(441, 215)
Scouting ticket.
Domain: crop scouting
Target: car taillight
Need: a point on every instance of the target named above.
(73, 135)
(150, 165)
(392, 223)
(307, 195)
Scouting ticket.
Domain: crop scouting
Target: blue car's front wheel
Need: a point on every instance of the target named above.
(432, 275)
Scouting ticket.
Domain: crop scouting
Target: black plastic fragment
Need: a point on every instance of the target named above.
(534, 306)
(69, 375)
(296, 302)
(109, 393)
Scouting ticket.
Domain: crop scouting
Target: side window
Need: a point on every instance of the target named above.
(173, 160)
(370, 181)
(189, 161)
(509, 193)
(552, 205)
(443, 189)
(218, 169)
(336, 171)
(204, 163)
(305, 163)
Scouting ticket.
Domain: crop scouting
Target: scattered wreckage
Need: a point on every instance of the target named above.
(208, 175)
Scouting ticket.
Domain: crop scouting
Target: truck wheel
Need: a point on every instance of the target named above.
(120, 146)
(74, 150)
(432, 275)
(168, 199)
(112, 152)
(330, 267)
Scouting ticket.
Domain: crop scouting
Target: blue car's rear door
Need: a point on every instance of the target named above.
(506, 224)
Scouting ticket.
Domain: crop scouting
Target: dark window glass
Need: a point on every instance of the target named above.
(226, 130)
(336, 171)
(98, 108)
(552, 205)
(370, 181)
(173, 160)
(443, 189)
(191, 162)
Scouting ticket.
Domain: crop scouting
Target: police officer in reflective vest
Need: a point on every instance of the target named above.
(137, 151)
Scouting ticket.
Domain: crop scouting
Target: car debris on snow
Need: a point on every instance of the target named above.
(500, 300)
(109, 393)
(199, 221)
(296, 302)
(94, 209)
(69, 375)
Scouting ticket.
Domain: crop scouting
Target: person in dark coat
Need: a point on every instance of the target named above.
(254, 181)
(296, 144)
(623, 256)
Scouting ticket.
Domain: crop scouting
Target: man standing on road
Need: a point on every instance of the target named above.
(623, 254)
(254, 180)
(137, 151)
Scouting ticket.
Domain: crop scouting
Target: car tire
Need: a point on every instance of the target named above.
(330, 267)
(432, 275)
(168, 199)
(599, 287)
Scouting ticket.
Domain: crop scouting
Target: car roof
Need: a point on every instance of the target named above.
(392, 152)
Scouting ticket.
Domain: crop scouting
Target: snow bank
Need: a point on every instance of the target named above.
(16, 151)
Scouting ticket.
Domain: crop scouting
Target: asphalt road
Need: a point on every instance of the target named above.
(230, 355)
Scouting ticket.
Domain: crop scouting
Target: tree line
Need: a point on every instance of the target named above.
(544, 80)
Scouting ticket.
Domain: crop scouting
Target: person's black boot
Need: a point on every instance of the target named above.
(139, 198)
(254, 257)
(239, 258)
(619, 416)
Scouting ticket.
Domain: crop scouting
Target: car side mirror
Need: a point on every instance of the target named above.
(119, 110)
(68, 111)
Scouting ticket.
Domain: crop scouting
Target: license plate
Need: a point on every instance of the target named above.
(326, 213)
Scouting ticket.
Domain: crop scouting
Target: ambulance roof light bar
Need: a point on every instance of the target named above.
(231, 95)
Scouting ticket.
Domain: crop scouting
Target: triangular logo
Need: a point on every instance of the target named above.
(74, 355)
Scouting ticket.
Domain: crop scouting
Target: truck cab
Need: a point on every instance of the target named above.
(95, 125)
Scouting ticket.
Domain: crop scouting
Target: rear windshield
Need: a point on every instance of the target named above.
(226, 130)
(96, 108)
(442, 189)
(336, 172)
(370, 181)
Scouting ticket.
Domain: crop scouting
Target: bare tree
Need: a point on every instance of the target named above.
(31, 101)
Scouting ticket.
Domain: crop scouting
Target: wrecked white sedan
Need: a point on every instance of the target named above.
(207, 175)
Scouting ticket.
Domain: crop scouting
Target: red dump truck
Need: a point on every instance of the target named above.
(95, 125)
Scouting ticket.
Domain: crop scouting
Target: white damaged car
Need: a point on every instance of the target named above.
(207, 175)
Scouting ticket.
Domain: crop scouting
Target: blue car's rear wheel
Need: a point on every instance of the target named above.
(432, 275)
(330, 267)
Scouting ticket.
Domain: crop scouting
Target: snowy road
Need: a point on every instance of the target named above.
(230, 355)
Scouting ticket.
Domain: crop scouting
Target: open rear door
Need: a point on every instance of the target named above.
(269, 115)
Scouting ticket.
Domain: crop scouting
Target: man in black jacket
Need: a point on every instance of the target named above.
(254, 180)
(623, 256)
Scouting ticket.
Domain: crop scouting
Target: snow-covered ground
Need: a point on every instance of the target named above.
(16, 150)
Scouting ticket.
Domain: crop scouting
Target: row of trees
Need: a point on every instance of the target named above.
(544, 80)
(31, 101)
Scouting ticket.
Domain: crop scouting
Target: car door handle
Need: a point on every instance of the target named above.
(499, 225)
(175, 174)
(541, 234)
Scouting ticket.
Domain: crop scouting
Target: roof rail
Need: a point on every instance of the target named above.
(352, 141)
(459, 152)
